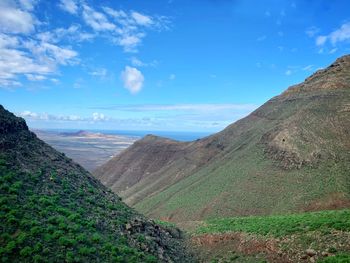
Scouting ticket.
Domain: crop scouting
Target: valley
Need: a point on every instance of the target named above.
(53, 210)
(290, 155)
(89, 149)
(250, 192)
(271, 187)
(203, 131)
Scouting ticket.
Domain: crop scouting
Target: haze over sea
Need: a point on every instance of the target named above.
(174, 135)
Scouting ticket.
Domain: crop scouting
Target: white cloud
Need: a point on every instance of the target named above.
(138, 63)
(135, 62)
(185, 116)
(51, 54)
(129, 42)
(339, 35)
(321, 40)
(333, 50)
(288, 72)
(308, 68)
(101, 72)
(167, 116)
(33, 77)
(133, 79)
(72, 33)
(69, 5)
(114, 13)
(142, 19)
(181, 107)
(130, 27)
(35, 55)
(31, 58)
(8, 41)
(15, 20)
(28, 4)
(99, 117)
(29, 115)
(172, 76)
(60, 55)
(33, 49)
(14, 62)
(96, 20)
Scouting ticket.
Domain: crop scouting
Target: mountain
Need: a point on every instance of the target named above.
(291, 154)
(77, 133)
(52, 210)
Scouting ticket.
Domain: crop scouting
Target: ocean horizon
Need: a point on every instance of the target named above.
(174, 135)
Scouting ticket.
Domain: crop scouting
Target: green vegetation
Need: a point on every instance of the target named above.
(291, 154)
(289, 237)
(165, 224)
(281, 225)
(52, 210)
(340, 258)
(56, 221)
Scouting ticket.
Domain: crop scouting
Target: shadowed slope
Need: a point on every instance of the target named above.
(52, 210)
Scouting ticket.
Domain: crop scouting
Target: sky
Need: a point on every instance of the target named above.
(170, 65)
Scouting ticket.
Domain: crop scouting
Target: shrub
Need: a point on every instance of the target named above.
(26, 251)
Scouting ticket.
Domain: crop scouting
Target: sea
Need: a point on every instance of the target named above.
(184, 136)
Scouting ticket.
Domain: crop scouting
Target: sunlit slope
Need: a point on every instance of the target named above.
(291, 154)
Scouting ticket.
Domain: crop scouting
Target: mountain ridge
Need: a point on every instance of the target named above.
(54, 210)
(299, 135)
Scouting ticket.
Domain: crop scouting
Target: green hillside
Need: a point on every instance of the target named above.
(52, 210)
(307, 237)
(290, 155)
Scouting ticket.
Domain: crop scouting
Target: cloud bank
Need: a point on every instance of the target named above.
(32, 50)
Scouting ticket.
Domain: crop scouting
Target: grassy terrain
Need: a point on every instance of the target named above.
(248, 184)
(292, 154)
(340, 258)
(52, 210)
(259, 174)
(281, 225)
(278, 238)
(61, 225)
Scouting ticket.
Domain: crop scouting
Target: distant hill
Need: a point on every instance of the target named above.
(77, 133)
(291, 154)
(52, 210)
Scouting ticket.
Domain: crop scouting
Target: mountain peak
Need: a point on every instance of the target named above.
(298, 141)
(154, 138)
(10, 123)
(335, 76)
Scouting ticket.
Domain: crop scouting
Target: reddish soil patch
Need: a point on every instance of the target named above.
(219, 244)
(331, 202)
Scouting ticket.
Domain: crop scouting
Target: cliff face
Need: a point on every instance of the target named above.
(54, 210)
(291, 154)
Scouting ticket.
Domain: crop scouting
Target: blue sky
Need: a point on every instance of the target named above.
(174, 65)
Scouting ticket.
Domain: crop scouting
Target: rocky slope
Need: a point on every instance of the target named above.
(291, 154)
(52, 210)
